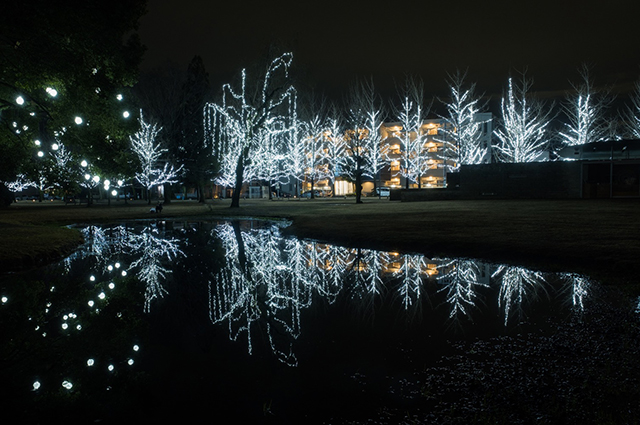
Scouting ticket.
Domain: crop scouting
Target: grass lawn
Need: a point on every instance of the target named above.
(598, 237)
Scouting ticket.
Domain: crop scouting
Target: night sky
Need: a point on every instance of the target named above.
(336, 41)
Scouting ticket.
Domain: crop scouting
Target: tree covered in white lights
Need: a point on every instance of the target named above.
(462, 134)
(363, 153)
(523, 133)
(247, 116)
(584, 110)
(410, 115)
(632, 113)
(149, 153)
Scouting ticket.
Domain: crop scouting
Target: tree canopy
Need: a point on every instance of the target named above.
(62, 67)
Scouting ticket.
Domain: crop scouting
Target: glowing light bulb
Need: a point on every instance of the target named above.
(90, 362)
(40, 154)
(102, 295)
(125, 114)
(130, 362)
(55, 146)
(84, 163)
(111, 367)
(78, 120)
(114, 192)
(96, 179)
(4, 300)
(20, 100)
(90, 303)
(119, 97)
(112, 285)
(68, 385)
(36, 385)
(37, 142)
(136, 347)
(52, 92)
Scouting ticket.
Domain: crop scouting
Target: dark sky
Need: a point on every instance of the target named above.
(335, 41)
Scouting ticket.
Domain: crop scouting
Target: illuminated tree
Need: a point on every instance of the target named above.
(463, 138)
(363, 154)
(632, 113)
(522, 136)
(584, 110)
(411, 114)
(62, 61)
(335, 146)
(149, 153)
(247, 117)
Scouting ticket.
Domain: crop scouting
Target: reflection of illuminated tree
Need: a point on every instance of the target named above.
(153, 249)
(579, 287)
(461, 279)
(412, 270)
(256, 286)
(516, 285)
(148, 247)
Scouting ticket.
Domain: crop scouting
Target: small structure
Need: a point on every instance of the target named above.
(608, 169)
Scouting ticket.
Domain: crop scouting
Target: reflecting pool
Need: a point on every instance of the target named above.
(217, 318)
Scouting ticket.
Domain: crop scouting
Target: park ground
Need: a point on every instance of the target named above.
(600, 238)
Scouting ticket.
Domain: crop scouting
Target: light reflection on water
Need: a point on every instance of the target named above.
(259, 285)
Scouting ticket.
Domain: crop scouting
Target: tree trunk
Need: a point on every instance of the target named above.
(235, 198)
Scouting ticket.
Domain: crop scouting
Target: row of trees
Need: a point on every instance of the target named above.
(68, 118)
(258, 133)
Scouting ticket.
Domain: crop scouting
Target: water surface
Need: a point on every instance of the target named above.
(156, 318)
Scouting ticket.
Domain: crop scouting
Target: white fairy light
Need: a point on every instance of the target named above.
(136, 348)
(119, 97)
(52, 92)
(91, 362)
(126, 114)
(68, 385)
(102, 295)
(4, 300)
(65, 326)
(112, 285)
(40, 154)
(90, 303)
(84, 163)
(36, 385)
(130, 362)
(114, 192)
(111, 368)
(20, 100)
(55, 146)
(78, 120)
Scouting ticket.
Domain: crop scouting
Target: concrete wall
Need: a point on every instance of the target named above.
(548, 180)
(537, 180)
